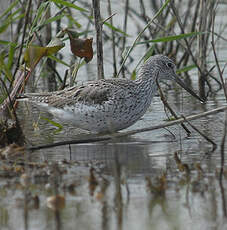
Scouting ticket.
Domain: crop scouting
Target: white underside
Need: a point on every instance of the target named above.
(100, 121)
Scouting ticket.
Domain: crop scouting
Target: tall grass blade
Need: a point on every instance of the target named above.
(10, 19)
(58, 60)
(12, 5)
(115, 29)
(11, 55)
(40, 11)
(139, 35)
(49, 20)
(4, 68)
(68, 4)
(171, 38)
(3, 42)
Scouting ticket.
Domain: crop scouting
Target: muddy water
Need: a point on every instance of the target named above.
(134, 169)
(135, 182)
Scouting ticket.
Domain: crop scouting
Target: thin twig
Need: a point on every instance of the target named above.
(20, 136)
(223, 148)
(20, 77)
(99, 45)
(202, 134)
(222, 167)
(11, 103)
(166, 104)
(109, 18)
(188, 46)
(202, 46)
(23, 38)
(125, 31)
(75, 71)
(113, 39)
(216, 60)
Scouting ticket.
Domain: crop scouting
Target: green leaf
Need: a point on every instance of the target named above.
(54, 123)
(186, 68)
(2, 42)
(115, 29)
(58, 60)
(49, 20)
(11, 55)
(4, 27)
(171, 38)
(12, 5)
(33, 54)
(4, 68)
(10, 19)
(73, 21)
(148, 53)
(68, 4)
(125, 51)
(193, 66)
(52, 19)
(133, 75)
(146, 56)
(39, 13)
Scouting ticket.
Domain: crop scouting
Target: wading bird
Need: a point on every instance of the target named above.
(112, 104)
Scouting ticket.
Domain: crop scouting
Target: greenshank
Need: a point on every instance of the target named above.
(109, 105)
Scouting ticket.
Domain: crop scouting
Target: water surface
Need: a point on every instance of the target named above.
(161, 179)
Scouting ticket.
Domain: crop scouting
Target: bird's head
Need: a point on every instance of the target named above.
(160, 67)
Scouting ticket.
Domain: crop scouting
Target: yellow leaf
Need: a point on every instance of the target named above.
(33, 54)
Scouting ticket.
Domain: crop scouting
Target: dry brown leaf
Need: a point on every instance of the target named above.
(92, 182)
(81, 47)
(56, 203)
(25, 179)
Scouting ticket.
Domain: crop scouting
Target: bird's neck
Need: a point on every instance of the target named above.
(147, 80)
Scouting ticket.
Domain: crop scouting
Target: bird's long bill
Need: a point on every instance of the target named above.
(182, 84)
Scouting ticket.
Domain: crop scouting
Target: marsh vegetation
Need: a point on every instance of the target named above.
(168, 171)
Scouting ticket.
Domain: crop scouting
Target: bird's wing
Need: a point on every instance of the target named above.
(88, 94)
(94, 92)
(97, 92)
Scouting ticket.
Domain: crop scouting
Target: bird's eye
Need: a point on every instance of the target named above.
(170, 65)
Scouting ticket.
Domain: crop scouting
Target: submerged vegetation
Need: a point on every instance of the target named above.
(53, 44)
